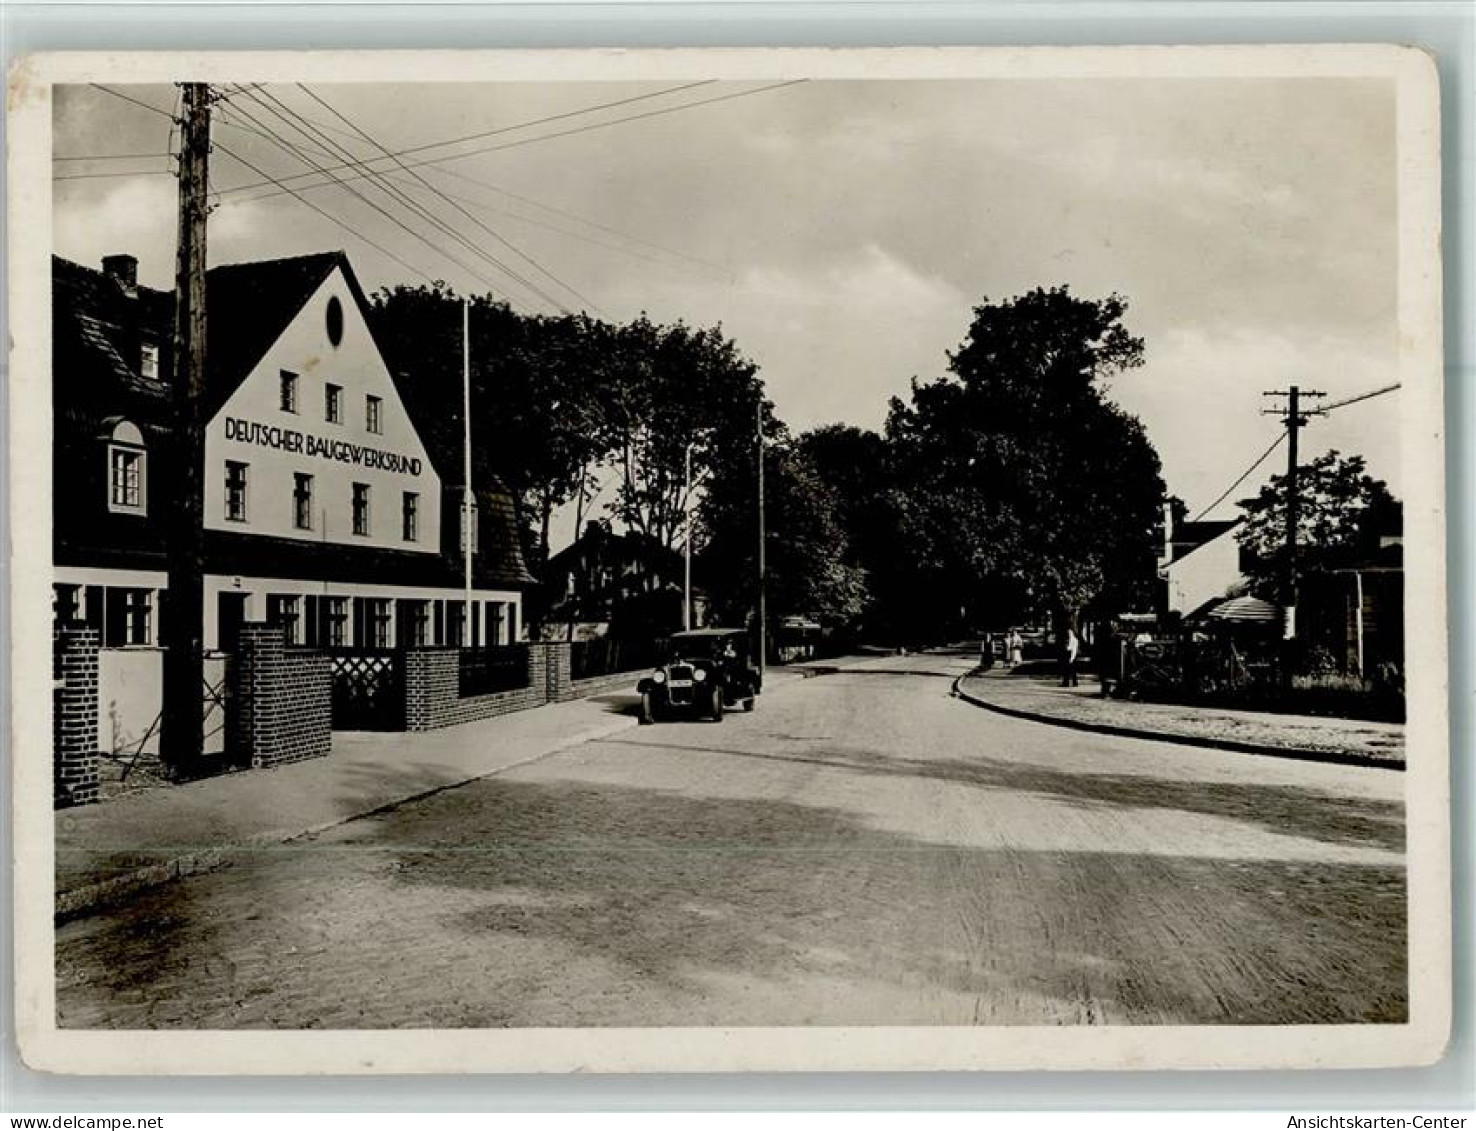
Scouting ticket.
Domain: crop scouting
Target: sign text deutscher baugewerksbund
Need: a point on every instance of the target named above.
(291, 440)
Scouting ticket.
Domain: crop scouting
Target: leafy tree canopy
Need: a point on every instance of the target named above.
(1341, 513)
(1022, 489)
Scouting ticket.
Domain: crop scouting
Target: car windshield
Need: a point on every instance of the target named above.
(704, 647)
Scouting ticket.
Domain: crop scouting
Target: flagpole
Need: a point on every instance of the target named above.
(467, 506)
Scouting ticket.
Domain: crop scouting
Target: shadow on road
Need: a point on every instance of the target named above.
(509, 902)
(1287, 810)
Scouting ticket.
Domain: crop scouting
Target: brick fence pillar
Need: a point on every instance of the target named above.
(282, 700)
(74, 716)
(548, 668)
(432, 685)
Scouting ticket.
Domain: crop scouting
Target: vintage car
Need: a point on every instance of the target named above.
(706, 669)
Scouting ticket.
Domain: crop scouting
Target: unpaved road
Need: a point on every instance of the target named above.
(863, 849)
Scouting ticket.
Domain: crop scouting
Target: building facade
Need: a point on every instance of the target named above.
(1200, 563)
(324, 512)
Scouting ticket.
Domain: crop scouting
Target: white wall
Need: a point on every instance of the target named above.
(355, 365)
(129, 695)
(1204, 574)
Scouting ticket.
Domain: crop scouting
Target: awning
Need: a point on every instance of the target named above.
(1245, 609)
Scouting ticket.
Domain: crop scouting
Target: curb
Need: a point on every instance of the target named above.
(79, 902)
(1297, 753)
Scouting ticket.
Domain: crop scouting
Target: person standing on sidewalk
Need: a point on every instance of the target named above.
(1015, 648)
(1071, 649)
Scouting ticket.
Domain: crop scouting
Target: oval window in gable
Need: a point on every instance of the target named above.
(334, 318)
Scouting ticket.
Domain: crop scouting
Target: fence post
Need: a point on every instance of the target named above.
(74, 719)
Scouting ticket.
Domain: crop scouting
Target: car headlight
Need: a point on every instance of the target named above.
(658, 677)
(699, 675)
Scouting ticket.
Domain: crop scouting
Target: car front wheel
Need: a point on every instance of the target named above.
(715, 707)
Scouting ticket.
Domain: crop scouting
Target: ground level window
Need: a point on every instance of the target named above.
(377, 622)
(456, 623)
(128, 617)
(334, 612)
(66, 603)
(414, 624)
(284, 611)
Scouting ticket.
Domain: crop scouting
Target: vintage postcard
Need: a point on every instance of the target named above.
(722, 560)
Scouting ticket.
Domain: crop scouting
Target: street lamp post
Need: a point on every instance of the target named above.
(763, 631)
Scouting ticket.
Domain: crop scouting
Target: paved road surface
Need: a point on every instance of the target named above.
(863, 849)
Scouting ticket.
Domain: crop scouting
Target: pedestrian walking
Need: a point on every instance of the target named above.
(1015, 648)
(1071, 650)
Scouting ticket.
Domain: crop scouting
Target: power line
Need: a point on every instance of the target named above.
(119, 173)
(288, 115)
(432, 188)
(1276, 443)
(1361, 397)
(107, 156)
(576, 130)
(718, 267)
(297, 153)
(135, 101)
(1282, 437)
(327, 215)
(507, 129)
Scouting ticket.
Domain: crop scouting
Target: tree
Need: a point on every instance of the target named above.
(807, 570)
(1341, 513)
(535, 381)
(1020, 488)
(672, 393)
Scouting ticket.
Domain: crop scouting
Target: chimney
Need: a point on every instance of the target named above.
(122, 269)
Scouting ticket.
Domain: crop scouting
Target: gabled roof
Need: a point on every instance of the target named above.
(93, 317)
(97, 325)
(1190, 536)
(270, 292)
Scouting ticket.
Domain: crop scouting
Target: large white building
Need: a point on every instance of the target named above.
(325, 512)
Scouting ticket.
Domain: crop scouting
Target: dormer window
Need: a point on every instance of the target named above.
(127, 470)
(148, 361)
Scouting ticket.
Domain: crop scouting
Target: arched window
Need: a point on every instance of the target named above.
(127, 467)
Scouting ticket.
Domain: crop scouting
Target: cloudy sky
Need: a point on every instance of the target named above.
(841, 231)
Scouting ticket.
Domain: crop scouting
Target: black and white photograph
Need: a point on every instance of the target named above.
(628, 560)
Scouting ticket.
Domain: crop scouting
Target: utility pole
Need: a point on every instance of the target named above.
(763, 629)
(181, 734)
(1295, 415)
(468, 500)
(687, 554)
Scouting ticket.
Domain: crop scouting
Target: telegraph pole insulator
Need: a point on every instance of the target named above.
(181, 735)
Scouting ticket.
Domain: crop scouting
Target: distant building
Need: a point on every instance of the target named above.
(325, 513)
(1200, 562)
(622, 583)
